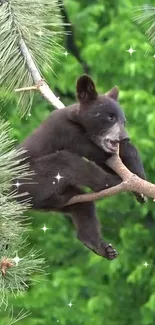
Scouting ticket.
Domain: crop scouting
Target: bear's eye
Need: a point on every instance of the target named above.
(97, 114)
(111, 117)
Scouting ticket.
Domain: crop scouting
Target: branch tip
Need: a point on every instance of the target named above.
(5, 263)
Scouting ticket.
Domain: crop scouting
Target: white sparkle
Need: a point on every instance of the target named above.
(70, 304)
(29, 114)
(154, 56)
(145, 264)
(131, 50)
(17, 259)
(44, 228)
(66, 53)
(53, 182)
(40, 33)
(58, 177)
(17, 184)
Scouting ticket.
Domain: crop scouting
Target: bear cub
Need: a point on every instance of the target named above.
(90, 128)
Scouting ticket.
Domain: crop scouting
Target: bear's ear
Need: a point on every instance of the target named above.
(113, 93)
(85, 88)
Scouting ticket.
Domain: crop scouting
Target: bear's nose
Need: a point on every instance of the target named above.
(123, 134)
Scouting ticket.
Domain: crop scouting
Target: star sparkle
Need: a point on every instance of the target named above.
(66, 54)
(17, 259)
(131, 50)
(40, 33)
(58, 177)
(145, 264)
(70, 304)
(44, 228)
(17, 184)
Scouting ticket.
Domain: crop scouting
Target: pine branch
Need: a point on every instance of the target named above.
(14, 278)
(14, 319)
(13, 272)
(146, 18)
(30, 32)
(41, 85)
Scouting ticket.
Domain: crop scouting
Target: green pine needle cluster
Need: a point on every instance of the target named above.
(12, 221)
(39, 24)
(18, 277)
(11, 319)
(146, 18)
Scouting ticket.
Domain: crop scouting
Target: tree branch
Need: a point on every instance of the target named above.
(131, 182)
(40, 84)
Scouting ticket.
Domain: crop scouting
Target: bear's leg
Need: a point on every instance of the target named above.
(131, 158)
(44, 188)
(88, 227)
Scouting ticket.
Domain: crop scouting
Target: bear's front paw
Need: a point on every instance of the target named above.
(110, 252)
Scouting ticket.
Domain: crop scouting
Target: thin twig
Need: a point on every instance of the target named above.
(17, 90)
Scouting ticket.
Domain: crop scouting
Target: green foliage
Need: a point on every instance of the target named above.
(120, 292)
(14, 278)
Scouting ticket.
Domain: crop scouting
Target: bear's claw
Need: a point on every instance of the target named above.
(110, 252)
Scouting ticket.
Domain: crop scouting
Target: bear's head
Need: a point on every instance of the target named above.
(100, 115)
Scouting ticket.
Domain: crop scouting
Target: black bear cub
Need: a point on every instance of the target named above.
(90, 129)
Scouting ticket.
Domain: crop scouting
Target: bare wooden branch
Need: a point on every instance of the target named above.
(40, 84)
(17, 90)
(131, 182)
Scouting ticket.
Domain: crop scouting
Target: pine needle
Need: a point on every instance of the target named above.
(17, 277)
(14, 319)
(146, 18)
(9, 161)
(39, 24)
(13, 277)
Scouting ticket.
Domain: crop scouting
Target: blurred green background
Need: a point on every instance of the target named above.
(120, 292)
